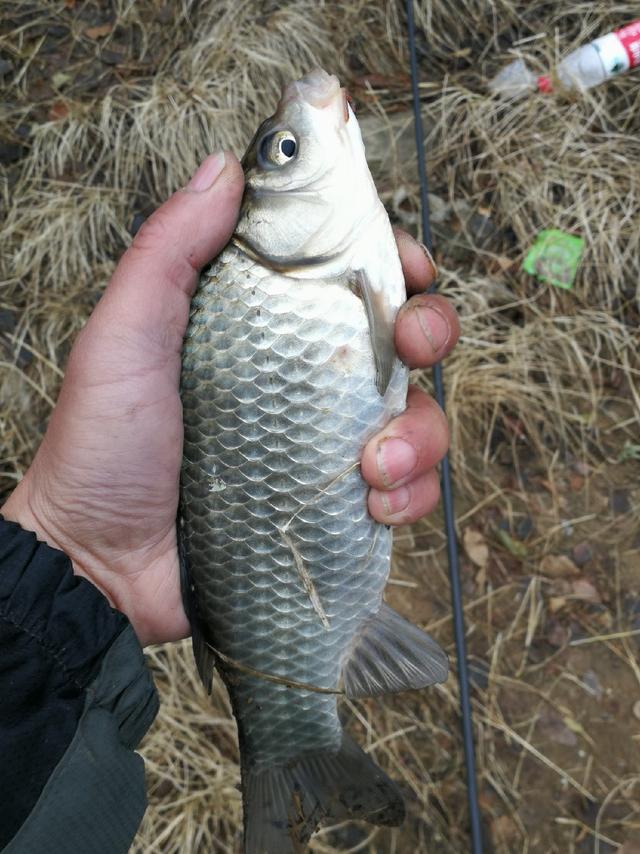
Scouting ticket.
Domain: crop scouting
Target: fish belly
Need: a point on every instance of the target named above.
(285, 562)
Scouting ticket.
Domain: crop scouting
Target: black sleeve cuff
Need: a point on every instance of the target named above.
(76, 698)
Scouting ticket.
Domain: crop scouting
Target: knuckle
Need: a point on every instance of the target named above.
(431, 490)
(153, 232)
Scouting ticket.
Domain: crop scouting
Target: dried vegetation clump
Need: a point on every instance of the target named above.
(110, 106)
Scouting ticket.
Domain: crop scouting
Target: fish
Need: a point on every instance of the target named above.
(288, 369)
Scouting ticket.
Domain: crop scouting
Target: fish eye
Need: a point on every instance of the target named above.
(277, 148)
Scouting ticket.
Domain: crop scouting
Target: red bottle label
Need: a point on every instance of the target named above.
(630, 39)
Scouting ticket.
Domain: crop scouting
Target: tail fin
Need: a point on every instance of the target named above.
(283, 805)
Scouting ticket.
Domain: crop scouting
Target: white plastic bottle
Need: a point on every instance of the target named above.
(593, 63)
(600, 60)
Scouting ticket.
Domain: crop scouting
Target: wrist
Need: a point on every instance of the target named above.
(123, 590)
(19, 508)
(24, 508)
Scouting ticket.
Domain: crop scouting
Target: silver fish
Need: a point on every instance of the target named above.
(289, 367)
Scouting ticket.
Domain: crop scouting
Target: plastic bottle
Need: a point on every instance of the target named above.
(593, 63)
(600, 60)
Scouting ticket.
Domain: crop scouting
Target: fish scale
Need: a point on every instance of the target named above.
(278, 403)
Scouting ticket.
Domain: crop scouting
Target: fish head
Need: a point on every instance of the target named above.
(308, 187)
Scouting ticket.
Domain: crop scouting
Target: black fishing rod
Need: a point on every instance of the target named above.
(447, 491)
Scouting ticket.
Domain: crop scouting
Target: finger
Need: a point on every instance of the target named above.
(407, 503)
(427, 329)
(158, 274)
(418, 265)
(409, 445)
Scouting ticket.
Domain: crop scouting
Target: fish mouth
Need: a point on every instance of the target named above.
(319, 90)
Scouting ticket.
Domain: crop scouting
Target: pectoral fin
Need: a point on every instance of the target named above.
(381, 319)
(390, 654)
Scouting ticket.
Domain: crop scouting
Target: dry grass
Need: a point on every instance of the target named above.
(543, 390)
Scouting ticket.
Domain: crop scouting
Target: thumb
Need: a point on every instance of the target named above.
(153, 283)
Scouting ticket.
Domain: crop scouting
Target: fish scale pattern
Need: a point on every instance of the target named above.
(279, 398)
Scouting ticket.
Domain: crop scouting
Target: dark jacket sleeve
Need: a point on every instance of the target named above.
(75, 701)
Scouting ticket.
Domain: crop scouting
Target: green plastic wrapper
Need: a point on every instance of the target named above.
(554, 257)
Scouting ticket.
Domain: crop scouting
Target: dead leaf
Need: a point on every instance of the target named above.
(629, 847)
(583, 589)
(504, 262)
(557, 603)
(636, 709)
(558, 566)
(59, 110)
(476, 547)
(560, 587)
(504, 829)
(481, 578)
(99, 31)
(603, 619)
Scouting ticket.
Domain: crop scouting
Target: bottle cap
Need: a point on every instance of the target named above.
(544, 83)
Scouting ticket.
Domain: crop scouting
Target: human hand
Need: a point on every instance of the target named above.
(103, 486)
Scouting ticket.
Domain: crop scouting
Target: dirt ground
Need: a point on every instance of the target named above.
(108, 107)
